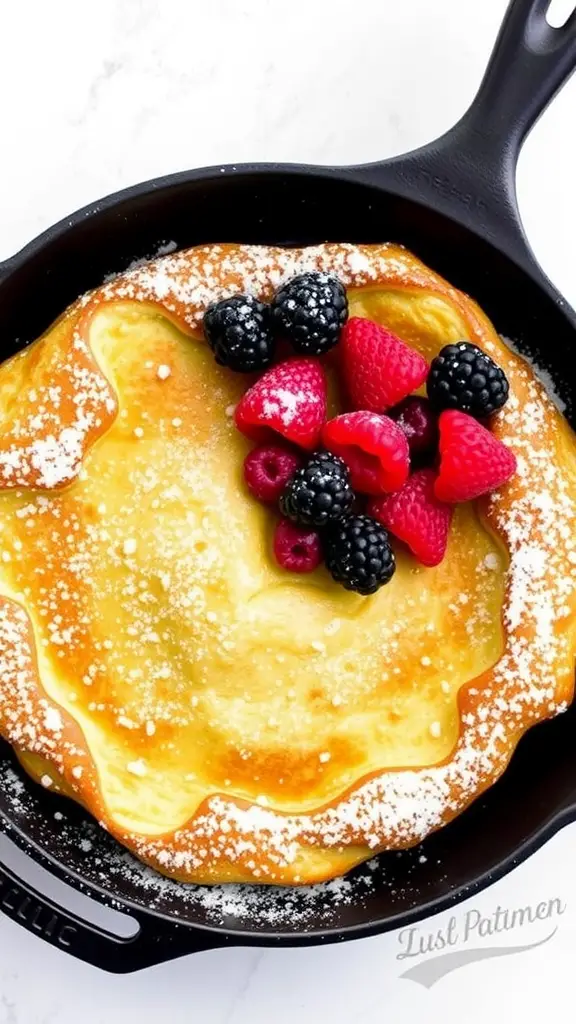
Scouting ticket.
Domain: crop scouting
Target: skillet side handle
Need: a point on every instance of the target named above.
(469, 173)
(154, 943)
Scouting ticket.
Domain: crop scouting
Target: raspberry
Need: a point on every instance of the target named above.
(373, 447)
(268, 469)
(297, 548)
(289, 399)
(417, 420)
(415, 516)
(379, 369)
(310, 311)
(319, 492)
(358, 554)
(239, 333)
(463, 377)
(472, 460)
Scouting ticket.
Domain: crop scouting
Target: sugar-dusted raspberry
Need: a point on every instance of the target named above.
(297, 548)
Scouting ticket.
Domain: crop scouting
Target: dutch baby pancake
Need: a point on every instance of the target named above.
(287, 558)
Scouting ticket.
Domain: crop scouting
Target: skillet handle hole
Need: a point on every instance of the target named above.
(559, 12)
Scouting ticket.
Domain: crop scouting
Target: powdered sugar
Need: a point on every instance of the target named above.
(541, 372)
(99, 862)
(53, 720)
(162, 249)
(46, 443)
(285, 404)
(217, 272)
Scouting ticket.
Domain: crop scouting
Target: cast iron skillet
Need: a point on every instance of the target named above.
(452, 202)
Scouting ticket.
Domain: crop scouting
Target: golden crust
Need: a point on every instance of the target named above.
(224, 721)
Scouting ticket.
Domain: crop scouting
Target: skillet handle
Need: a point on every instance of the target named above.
(5, 269)
(469, 173)
(154, 943)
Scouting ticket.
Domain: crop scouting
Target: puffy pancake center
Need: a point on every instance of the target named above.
(192, 662)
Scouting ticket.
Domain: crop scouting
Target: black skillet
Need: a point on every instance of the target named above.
(452, 202)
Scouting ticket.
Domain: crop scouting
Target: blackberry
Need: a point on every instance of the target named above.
(418, 422)
(238, 332)
(358, 554)
(310, 311)
(463, 377)
(319, 492)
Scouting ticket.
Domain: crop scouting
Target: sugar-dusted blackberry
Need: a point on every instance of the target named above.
(358, 554)
(465, 378)
(310, 311)
(319, 492)
(239, 333)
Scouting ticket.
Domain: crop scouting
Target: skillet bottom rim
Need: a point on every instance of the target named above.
(344, 177)
(222, 936)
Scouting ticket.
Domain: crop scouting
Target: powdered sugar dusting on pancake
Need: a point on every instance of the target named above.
(533, 516)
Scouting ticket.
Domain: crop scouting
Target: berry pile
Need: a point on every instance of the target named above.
(395, 463)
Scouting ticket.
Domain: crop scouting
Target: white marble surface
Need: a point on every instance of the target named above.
(97, 94)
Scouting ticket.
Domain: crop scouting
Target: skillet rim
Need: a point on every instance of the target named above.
(365, 176)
